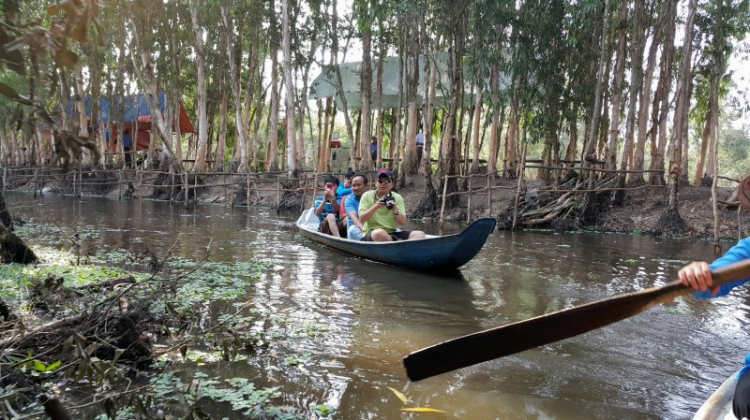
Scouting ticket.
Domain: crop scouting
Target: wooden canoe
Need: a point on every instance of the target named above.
(719, 405)
(432, 253)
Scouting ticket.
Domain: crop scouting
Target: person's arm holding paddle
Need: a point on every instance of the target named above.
(698, 274)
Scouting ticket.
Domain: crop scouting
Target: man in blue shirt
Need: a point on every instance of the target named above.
(127, 144)
(359, 186)
(420, 143)
(374, 148)
(345, 188)
(327, 209)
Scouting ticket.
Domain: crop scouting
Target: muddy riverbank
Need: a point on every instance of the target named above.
(639, 213)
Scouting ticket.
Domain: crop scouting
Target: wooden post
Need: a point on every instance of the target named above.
(186, 187)
(34, 182)
(195, 190)
(171, 187)
(278, 195)
(521, 175)
(74, 184)
(140, 184)
(442, 206)
(247, 190)
(468, 208)
(119, 185)
(226, 193)
(489, 195)
(5, 174)
(304, 194)
(41, 180)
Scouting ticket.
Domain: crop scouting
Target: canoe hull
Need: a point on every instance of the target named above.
(719, 405)
(432, 253)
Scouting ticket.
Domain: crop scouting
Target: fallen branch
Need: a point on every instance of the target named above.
(107, 284)
(49, 327)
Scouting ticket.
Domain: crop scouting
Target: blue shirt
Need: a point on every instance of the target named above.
(342, 191)
(327, 209)
(373, 148)
(127, 140)
(420, 139)
(739, 252)
(352, 204)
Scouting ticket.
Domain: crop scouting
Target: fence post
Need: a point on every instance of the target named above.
(247, 190)
(34, 181)
(74, 184)
(40, 182)
(521, 176)
(171, 189)
(278, 195)
(442, 206)
(5, 174)
(489, 196)
(468, 209)
(140, 184)
(304, 194)
(186, 187)
(119, 185)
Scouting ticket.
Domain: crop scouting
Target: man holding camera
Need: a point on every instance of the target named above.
(382, 212)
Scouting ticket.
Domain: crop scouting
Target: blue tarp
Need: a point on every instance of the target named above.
(132, 108)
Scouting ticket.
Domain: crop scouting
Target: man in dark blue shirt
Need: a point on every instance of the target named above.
(127, 144)
(374, 148)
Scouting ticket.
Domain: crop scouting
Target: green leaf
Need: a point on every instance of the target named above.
(39, 366)
(54, 366)
(9, 92)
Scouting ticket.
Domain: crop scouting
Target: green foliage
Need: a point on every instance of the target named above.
(15, 279)
(240, 393)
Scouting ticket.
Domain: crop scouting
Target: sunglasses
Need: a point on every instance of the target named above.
(384, 181)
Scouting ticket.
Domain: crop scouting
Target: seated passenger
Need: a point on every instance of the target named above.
(383, 211)
(346, 188)
(355, 226)
(327, 208)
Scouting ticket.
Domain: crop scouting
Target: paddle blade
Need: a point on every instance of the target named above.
(519, 336)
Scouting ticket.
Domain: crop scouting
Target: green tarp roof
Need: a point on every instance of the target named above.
(324, 86)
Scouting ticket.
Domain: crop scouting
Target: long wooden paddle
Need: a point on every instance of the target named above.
(523, 335)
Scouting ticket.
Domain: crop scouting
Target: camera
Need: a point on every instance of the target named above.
(387, 200)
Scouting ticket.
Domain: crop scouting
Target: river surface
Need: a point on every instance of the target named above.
(661, 364)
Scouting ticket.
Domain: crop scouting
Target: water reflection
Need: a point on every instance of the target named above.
(344, 324)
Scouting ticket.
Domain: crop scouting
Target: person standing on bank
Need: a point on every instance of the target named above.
(127, 144)
(420, 143)
(374, 148)
(382, 211)
(698, 276)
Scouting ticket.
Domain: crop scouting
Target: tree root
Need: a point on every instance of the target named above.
(561, 210)
(13, 249)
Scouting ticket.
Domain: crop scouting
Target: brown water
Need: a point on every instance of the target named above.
(659, 365)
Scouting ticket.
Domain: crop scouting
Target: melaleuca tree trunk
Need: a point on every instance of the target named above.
(671, 219)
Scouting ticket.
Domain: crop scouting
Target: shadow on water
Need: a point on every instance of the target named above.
(341, 325)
